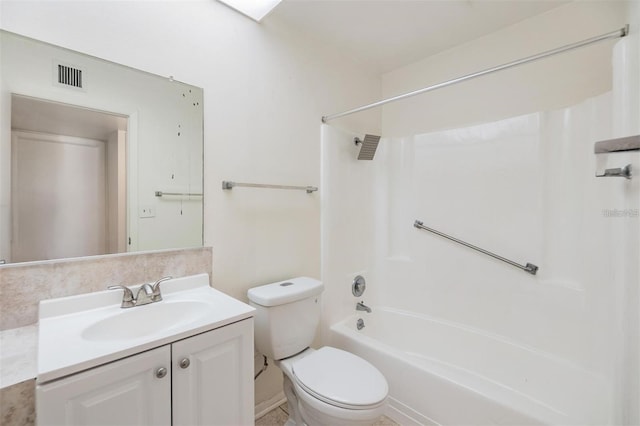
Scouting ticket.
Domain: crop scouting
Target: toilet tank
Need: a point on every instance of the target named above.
(287, 316)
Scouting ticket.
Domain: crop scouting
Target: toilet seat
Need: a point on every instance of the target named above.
(340, 379)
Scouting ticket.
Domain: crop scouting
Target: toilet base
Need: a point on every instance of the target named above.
(295, 417)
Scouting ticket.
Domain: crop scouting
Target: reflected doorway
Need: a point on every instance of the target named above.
(68, 181)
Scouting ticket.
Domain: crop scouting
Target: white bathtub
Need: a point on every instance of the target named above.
(444, 373)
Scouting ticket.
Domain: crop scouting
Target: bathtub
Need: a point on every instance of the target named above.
(445, 373)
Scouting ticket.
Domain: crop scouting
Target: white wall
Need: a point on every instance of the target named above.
(350, 238)
(265, 89)
(117, 192)
(633, 415)
(550, 83)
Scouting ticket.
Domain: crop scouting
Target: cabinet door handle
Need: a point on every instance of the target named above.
(161, 372)
(185, 363)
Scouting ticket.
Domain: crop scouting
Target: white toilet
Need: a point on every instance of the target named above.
(327, 386)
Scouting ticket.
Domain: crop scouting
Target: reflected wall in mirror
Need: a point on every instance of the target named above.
(95, 157)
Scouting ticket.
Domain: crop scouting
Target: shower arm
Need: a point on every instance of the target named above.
(622, 32)
(529, 267)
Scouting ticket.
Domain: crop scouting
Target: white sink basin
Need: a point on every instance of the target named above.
(140, 321)
(80, 332)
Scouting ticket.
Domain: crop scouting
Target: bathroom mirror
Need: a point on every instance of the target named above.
(95, 157)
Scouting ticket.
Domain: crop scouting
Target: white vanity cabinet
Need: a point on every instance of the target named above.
(213, 377)
(124, 392)
(206, 379)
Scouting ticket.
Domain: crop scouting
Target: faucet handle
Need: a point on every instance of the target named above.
(157, 295)
(127, 298)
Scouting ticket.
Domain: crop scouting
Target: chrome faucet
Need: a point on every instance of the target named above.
(360, 306)
(147, 293)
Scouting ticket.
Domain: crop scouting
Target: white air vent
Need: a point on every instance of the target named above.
(68, 75)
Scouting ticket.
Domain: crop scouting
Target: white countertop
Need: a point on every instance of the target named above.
(18, 355)
(63, 346)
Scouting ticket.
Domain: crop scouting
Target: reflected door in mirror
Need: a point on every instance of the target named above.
(61, 206)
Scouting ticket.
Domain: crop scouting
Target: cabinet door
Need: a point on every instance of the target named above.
(216, 387)
(124, 392)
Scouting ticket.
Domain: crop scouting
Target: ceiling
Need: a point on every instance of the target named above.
(388, 34)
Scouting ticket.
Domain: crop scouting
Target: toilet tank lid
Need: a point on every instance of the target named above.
(286, 291)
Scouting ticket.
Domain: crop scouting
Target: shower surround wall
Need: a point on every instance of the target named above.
(522, 185)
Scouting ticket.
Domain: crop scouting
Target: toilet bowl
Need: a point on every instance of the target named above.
(327, 386)
(333, 387)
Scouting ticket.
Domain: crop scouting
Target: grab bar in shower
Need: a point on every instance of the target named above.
(227, 184)
(529, 267)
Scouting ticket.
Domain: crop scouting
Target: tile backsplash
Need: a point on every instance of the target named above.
(23, 285)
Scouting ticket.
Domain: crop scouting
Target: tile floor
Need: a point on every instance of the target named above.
(279, 415)
(276, 417)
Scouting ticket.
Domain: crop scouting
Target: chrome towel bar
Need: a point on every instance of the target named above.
(179, 194)
(529, 267)
(226, 184)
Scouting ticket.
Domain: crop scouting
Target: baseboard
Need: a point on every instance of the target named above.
(405, 415)
(265, 406)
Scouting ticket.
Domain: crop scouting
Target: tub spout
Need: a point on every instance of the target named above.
(360, 306)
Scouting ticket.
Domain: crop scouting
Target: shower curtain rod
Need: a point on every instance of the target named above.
(622, 32)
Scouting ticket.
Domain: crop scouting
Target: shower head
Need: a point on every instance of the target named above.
(369, 146)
